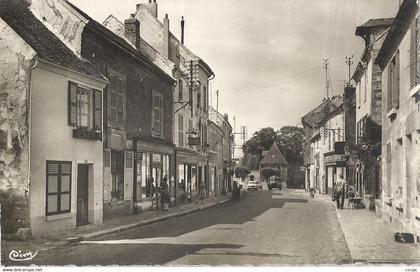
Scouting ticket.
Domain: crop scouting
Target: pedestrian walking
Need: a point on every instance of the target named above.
(202, 192)
(236, 190)
(164, 194)
(340, 192)
(350, 197)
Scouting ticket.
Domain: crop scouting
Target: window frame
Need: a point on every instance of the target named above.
(180, 90)
(120, 95)
(59, 193)
(180, 130)
(160, 110)
(81, 91)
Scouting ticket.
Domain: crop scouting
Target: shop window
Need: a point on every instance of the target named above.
(146, 181)
(85, 111)
(117, 174)
(58, 187)
(157, 114)
(181, 177)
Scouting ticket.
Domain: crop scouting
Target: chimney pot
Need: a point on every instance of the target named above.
(132, 30)
(182, 29)
(165, 49)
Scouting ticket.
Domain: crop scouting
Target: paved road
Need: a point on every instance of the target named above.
(265, 227)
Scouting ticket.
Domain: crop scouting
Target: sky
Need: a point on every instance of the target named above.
(267, 55)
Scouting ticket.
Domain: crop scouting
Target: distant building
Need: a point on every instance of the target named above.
(318, 141)
(275, 159)
(399, 60)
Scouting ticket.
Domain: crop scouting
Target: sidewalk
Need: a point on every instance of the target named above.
(109, 226)
(369, 239)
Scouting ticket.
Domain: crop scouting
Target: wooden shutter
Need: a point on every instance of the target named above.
(72, 104)
(396, 82)
(97, 110)
(413, 55)
(418, 51)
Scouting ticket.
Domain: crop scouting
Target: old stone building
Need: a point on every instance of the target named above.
(138, 147)
(398, 59)
(368, 78)
(51, 123)
(191, 103)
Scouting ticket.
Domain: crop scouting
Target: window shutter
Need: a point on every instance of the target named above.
(396, 82)
(417, 51)
(97, 111)
(72, 104)
(413, 55)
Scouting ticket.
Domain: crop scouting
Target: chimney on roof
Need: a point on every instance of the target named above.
(182, 29)
(151, 7)
(165, 49)
(132, 30)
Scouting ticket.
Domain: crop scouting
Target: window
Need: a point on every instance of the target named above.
(394, 82)
(58, 187)
(199, 99)
(181, 90)
(157, 114)
(85, 107)
(389, 169)
(205, 98)
(366, 87)
(414, 54)
(180, 130)
(117, 174)
(116, 100)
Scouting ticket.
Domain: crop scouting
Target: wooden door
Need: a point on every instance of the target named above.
(82, 194)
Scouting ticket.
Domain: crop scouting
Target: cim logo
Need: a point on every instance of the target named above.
(18, 256)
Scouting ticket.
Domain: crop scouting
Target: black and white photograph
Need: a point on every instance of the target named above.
(210, 134)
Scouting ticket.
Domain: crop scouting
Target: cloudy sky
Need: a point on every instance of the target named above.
(266, 54)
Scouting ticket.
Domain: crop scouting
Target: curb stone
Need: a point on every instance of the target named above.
(78, 239)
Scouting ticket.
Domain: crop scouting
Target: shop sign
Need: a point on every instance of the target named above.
(194, 141)
(331, 159)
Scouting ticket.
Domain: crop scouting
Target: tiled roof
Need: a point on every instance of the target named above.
(401, 24)
(374, 23)
(323, 111)
(48, 46)
(273, 156)
(111, 36)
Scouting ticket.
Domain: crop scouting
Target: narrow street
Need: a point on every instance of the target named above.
(265, 227)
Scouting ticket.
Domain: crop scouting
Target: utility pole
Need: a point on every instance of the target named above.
(349, 61)
(326, 62)
(217, 100)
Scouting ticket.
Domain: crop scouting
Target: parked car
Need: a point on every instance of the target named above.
(274, 182)
(252, 185)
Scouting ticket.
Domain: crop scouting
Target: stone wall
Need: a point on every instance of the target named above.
(15, 61)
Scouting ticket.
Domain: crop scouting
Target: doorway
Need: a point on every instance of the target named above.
(82, 194)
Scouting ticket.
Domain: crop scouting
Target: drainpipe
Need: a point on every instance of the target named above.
(135, 209)
(33, 64)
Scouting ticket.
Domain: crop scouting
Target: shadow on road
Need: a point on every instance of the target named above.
(147, 254)
(240, 212)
